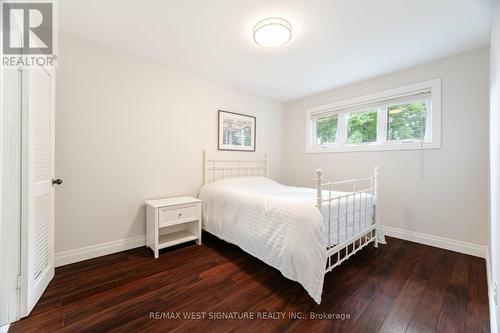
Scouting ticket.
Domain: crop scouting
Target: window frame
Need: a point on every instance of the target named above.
(432, 139)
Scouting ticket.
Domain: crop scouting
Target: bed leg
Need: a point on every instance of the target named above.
(375, 207)
(375, 242)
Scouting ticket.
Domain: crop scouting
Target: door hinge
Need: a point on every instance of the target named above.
(19, 283)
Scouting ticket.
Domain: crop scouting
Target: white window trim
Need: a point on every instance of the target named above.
(432, 136)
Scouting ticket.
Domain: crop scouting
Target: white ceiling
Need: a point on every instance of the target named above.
(334, 43)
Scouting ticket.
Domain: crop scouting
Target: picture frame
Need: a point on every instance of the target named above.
(236, 131)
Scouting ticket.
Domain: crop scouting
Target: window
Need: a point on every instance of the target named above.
(362, 127)
(406, 121)
(326, 130)
(403, 118)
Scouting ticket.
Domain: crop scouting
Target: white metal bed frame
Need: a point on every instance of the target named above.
(216, 168)
(355, 241)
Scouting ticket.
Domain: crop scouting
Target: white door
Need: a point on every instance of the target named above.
(37, 241)
(10, 135)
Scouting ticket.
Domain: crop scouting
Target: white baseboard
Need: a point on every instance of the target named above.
(93, 251)
(4, 328)
(441, 242)
(491, 299)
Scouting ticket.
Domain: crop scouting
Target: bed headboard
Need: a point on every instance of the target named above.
(226, 165)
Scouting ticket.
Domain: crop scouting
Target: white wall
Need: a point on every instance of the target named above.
(128, 130)
(439, 192)
(495, 150)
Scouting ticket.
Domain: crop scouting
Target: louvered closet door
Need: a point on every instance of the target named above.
(38, 190)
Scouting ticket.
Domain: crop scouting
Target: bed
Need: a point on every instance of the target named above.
(302, 232)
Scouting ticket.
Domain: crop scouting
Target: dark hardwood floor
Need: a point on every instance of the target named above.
(402, 286)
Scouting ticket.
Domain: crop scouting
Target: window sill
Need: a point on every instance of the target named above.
(373, 147)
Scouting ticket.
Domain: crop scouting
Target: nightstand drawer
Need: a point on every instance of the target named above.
(180, 214)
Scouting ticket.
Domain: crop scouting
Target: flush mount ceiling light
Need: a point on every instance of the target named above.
(272, 32)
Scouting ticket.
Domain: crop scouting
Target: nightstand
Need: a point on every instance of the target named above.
(172, 221)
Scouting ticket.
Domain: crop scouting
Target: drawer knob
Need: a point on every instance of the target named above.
(179, 215)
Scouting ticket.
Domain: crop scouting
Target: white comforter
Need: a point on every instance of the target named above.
(278, 224)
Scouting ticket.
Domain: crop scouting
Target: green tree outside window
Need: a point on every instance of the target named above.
(406, 121)
(362, 127)
(326, 130)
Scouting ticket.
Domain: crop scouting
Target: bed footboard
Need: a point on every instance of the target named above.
(352, 218)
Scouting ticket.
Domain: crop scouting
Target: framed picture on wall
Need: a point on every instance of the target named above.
(236, 131)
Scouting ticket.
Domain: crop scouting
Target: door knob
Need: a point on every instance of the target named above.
(57, 181)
